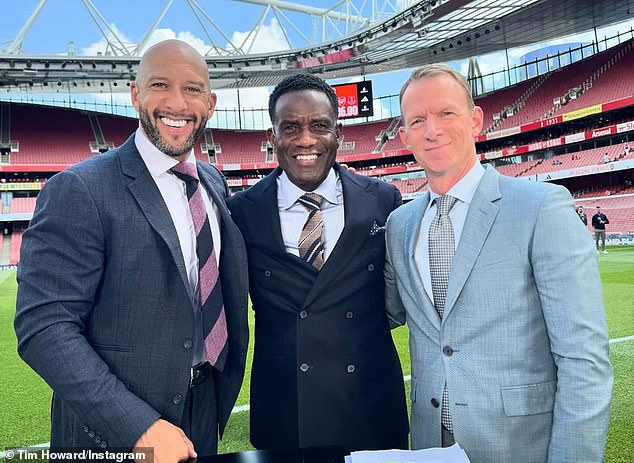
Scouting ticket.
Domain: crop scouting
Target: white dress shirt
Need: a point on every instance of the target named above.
(293, 215)
(174, 193)
(463, 191)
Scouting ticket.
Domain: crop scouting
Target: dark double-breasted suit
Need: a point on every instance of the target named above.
(103, 309)
(325, 369)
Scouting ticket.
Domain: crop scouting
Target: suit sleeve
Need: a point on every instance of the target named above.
(566, 272)
(62, 261)
(393, 304)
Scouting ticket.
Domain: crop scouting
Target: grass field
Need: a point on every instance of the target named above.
(25, 398)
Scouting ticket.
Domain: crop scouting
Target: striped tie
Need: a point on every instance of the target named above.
(209, 287)
(441, 251)
(311, 240)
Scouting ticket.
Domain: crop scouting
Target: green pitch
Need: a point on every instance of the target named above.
(25, 398)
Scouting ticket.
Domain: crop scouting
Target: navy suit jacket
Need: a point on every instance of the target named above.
(103, 311)
(325, 369)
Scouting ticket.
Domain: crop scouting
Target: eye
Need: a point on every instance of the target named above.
(447, 113)
(416, 122)
(193, 90)
(158, 85)
(289, 128)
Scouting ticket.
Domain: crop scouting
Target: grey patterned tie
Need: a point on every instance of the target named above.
(441, 251)
(311, 239)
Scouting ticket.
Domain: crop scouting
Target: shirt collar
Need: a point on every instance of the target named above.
(155, 160)
(465, 188)
(289, 193)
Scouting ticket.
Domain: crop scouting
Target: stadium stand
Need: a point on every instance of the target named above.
(16, 242)
(22, 205)
(610, 82)
(619, 209)
(559, 83)
(44, 136)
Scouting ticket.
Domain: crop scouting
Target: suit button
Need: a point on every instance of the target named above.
(349, 314)
(303, 314)
(350, 368)
(370, 267)
(267, 273)
(435, 403)
(85, 428)
(304, 367)
(448, 351)
(91, 434)
(177, 399)
(98, 439)
(103, 444)
(187, 344)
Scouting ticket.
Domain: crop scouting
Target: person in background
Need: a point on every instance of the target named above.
(599, 221)
(582, 215)
(499, 285)
(325, 369)
(132, 305)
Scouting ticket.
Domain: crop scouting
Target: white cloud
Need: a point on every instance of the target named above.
(269, 38)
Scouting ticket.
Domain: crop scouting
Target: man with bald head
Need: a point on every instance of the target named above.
(132, 286)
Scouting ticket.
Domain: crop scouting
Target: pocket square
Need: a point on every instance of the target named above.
(376, 229)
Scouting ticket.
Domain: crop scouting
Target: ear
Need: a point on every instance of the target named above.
(477, 119)
(134, 96)
(339, 131)
(213, 99)
(402, 134)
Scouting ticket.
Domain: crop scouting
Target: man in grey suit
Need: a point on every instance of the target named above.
(109, 307)
(498, 282)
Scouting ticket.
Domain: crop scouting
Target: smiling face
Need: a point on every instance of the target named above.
(173, 98)
(305, 137)
(439, 128)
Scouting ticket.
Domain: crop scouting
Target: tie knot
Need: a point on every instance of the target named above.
(312, 201)
(186, 171)
(444, 204)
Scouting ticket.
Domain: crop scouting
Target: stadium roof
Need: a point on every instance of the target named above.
(426, 31)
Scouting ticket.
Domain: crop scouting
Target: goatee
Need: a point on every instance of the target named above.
(154, 135)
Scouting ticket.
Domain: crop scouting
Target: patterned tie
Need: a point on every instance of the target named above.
(209, 288)
(441, 251)
(311, 240)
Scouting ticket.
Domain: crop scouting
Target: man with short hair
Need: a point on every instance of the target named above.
(325, 369)
(498, 283)
(582, 215)
(599, 221)
(132, 305)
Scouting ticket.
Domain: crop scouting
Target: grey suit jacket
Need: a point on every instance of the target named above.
(103, 311)
(523, 344)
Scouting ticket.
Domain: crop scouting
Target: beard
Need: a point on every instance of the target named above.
(154, 135)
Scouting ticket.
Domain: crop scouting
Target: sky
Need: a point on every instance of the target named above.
(65, 25)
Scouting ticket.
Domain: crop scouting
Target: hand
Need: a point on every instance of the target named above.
(350, 169)
(169, 442)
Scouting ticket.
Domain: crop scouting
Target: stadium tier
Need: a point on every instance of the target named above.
(22, 205)
(498, 101)
(50, 135)
(558, 84)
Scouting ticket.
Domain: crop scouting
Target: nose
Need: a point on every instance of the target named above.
(175, 100)
(432, 128)
(305, 137)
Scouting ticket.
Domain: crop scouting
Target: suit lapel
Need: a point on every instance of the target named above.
(415, 282)
(480, 219)
(265, 215)
(358, 201)
(148, 197)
